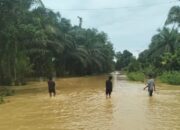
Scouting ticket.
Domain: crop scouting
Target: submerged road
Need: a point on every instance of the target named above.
(80, 104)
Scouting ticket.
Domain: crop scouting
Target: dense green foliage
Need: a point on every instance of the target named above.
(5, 91)
(136, 76)
(123, 59)
(171, 77)
(163, 54)
(35, 41)
(1, 99)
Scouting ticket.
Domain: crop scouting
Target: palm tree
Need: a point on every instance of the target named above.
(173, 16)
(32, 35)
(165, 41)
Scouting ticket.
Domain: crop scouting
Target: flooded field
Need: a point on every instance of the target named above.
(80, 104)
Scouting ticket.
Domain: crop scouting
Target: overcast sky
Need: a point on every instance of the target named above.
(130, 24)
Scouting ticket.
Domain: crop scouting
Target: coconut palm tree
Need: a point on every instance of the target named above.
(174, 16)
(165, 41)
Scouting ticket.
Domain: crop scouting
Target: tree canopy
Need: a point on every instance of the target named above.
(162, 53)
(36, 41)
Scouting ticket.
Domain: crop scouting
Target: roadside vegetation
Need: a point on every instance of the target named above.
(172, 77)
(161, 59)
(136, 76)
(5, 91)
(38, 42)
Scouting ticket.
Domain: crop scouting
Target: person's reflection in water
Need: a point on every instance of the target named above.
(108, 114)
(109, 87)
(151, 107)
(109, 107)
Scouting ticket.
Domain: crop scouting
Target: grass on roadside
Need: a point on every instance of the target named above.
(5, 92)
(136, 76)
(172, 77)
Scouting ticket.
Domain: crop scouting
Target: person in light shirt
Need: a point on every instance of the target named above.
(150, 85)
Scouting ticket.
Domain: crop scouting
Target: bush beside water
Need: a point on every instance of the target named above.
(5, 92)
(136, 76)
(171, 77)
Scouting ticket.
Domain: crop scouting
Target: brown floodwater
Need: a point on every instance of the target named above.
(80, 104)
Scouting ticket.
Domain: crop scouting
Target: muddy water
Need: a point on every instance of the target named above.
(80, 104)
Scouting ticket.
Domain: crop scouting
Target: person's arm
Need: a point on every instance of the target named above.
(106, 85)
(111, 86)
(147, 84)
(146, 87)
(154, 87)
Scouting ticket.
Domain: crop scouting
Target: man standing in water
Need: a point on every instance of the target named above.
(109, 87)
(51, 87)
(150, 85)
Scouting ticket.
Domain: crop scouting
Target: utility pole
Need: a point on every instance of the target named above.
(80, 21)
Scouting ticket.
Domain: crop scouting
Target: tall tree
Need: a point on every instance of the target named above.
(165, 41)
(174, 16)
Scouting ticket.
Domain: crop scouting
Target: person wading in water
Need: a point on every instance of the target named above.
(51, 87)
(150, 85)
(109, 87)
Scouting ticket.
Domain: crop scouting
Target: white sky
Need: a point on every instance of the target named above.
(130, 25)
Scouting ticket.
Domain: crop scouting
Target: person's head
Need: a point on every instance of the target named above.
(50, 78)
(110, 77)
(150, 76)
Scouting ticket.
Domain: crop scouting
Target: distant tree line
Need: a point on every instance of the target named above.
(38, 42)
(163, 54)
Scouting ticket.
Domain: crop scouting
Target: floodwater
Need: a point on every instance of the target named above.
(80, 104)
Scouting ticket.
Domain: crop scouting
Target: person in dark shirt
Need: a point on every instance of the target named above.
(51, 87)
(109, 87)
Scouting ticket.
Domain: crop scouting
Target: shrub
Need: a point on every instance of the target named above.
(150, 70)
(6, 92)
(1, 99)
(172, 77)
(136, 76)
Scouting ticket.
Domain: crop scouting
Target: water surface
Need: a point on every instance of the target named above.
(80, 104)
